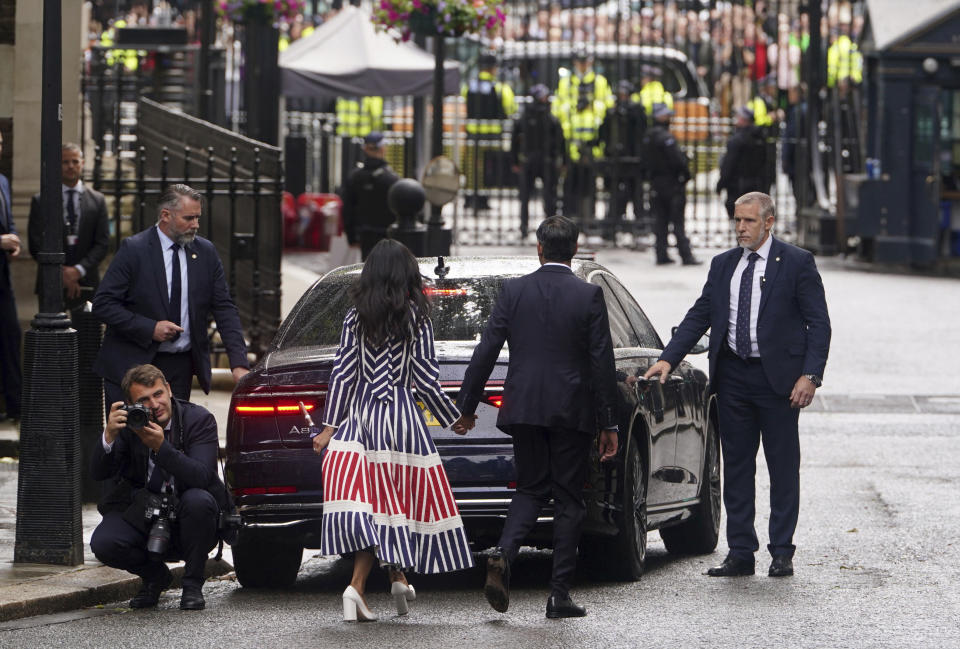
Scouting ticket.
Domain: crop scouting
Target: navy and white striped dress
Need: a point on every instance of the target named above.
(384, 485)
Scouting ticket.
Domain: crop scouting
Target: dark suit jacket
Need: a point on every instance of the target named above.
(132, 298)
(793, 328)
(6, 227)
(126, 465)
(561, 372)
(93, 235)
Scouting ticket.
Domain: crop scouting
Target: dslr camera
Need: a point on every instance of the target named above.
(160, 512)
(138, 416)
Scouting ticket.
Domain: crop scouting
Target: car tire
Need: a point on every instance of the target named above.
(699, 534)
(264, 563)
(622, 557)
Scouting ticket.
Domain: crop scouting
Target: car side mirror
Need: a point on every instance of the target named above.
(703, 345)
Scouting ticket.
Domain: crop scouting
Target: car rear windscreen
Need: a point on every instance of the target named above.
(460, 309)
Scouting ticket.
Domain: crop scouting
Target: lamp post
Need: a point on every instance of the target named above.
(438, 238)
(49, 525)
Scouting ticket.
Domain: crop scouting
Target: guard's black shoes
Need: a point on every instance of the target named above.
(562, 606)
(692, 261)
(732, 567)
(665, 261)
(781, 566)
(149, 594)
(497, 588)
(192, 599)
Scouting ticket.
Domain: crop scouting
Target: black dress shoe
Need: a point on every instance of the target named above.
(692, 261)
(732, 567)
(497, 588)
(562, 606)
(665, 261)
(149, 594)
(192, 599)
(781, 566)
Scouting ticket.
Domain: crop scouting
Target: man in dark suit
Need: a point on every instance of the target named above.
(157, 296)
(770, 333)
(86, 230)
(560, 389)
(9, 321)
(175, 453)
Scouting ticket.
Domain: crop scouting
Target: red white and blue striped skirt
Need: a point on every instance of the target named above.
(385, 491)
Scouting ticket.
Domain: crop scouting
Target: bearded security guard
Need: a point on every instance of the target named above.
(669, 171)
(584, 82)
(489, 103)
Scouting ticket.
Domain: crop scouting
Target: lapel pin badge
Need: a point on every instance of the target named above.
(778, 259)
(194, 256)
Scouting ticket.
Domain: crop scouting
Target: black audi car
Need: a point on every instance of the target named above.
(666, 475)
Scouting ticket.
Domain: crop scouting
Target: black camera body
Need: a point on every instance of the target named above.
(138, 416)
(161, 511)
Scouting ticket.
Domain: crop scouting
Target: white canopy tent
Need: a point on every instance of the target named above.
(347, 56)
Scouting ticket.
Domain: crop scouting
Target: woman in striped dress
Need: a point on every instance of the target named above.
(386, 495)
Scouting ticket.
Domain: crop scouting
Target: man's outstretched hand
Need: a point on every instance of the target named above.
(661, 368)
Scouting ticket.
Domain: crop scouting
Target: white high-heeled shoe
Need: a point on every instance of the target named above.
(402, 594)
(354, 610)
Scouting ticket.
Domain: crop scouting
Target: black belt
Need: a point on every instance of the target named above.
(729, 353)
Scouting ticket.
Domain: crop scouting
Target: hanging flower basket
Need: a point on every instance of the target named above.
(446, 17)
(260, 11)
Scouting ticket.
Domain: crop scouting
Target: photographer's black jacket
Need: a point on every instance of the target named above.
(126, 464)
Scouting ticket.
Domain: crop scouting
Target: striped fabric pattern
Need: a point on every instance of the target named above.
(383, 481)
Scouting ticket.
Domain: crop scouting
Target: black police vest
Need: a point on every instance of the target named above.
(483, 101)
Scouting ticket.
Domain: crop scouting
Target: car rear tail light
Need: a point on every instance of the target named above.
(495, 400)
(261, 491)
(433, 291)
(512, 484)
(268, 408)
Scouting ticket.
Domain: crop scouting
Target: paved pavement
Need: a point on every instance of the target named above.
(893, 352)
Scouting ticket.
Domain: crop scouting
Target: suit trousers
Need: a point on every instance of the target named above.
(550, 462)
(750, 412)
(118, 544)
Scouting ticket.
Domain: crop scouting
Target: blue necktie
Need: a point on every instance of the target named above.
(743, 307)
(71, 212)
(175, 289)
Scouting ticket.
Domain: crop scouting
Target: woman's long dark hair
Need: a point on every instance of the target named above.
(389, 285)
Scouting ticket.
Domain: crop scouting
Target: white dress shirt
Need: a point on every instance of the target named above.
(77, 192)
(182, 343)
(759, 268)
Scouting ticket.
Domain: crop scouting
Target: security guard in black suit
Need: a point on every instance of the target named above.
(668, 170)
(366, 215)
(744, 167)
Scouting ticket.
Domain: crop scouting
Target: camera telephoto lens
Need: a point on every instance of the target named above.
(159, 538)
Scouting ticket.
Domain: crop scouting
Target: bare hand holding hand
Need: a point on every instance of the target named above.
(465, 423)
(321, 441)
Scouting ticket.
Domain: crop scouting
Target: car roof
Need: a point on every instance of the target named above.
(478, 266)
(557, 49)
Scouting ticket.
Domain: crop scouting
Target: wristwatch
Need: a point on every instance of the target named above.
(813, 378)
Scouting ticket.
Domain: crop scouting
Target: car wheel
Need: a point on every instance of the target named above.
(264, 563)
(622, 557)
(699, 534)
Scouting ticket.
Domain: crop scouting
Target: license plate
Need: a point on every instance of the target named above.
(428, 416)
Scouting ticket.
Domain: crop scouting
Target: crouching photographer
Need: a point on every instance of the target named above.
(164, 496)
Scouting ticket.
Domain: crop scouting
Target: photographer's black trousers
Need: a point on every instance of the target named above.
(119, 544)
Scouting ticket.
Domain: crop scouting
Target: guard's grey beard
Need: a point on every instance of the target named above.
(185, 239)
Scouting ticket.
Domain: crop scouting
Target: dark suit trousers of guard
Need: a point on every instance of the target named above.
(118, 544)
(751, 412)
(549, 463)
